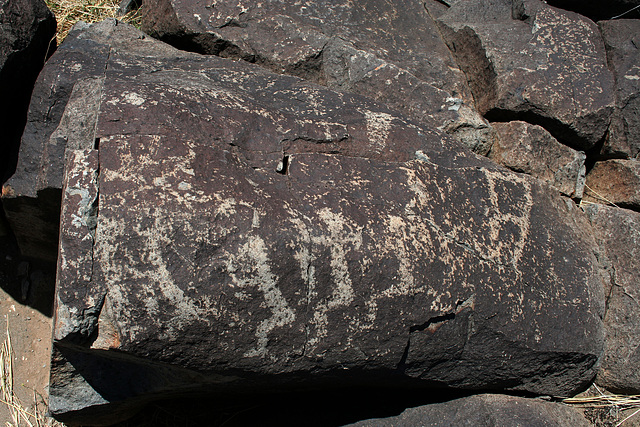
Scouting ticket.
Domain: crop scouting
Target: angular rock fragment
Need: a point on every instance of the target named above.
(530, 149)
(622, 41)
(26, 29)
(62, 116)
(236, 230)
(615, 182)
(486, 410)
(390, 51)
(528, 61)
(619, 233)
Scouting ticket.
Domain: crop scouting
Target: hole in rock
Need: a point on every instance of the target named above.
(283, 166)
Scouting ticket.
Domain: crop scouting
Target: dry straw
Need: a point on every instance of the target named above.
(20, 416)
(619, 402)
(69, 12)
(598, 196)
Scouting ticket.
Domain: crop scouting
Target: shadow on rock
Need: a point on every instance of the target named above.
(29, 281)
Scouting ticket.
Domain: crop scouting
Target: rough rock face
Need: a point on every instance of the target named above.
(485, 410)
(619, 234)
(390, 51)
(532, 62)
(597, 9)
(228, 229)
(59, 118)
(530, 149)
(26, 28)
(622, 41)
(614, 181)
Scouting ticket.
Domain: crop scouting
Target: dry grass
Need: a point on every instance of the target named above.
(20, 415)
(69, 12)
(611, 402)
(593, 193)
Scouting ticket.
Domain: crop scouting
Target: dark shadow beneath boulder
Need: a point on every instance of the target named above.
(320, 408)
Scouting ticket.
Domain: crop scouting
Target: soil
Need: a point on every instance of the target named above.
(26, 296)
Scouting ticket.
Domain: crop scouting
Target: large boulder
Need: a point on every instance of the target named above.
(390, 51)
(228, 230)
(484, 410)
(622, 41)
(618, 231)
(527, 148)
(27, 30)
(528, 61)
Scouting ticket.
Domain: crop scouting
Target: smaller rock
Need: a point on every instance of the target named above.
(525, 60)
(128, 6)
(527, 148)
(622, 43)
(388, 51)
(61, 116)
(615, 182)
(485, 410)
(619, 233)
(26, 29)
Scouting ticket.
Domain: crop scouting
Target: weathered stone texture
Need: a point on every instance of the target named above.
(253, 232)
(485, 410)
(62, 116)
(389, 51)
(530, 149)
(618, 231)
(26, 29)
(528, 61)
(622, 41)
(614, 181)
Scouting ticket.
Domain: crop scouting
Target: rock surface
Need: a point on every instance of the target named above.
(619, 234)
(26, 29)
(390, 51)
(59, 119)
(485, 410)
(622, 42)
(227, 229)
(528, 61)
(530, 149)
(616, 182)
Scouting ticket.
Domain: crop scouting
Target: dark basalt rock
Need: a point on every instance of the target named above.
(528, 61)
(235, 230)
(60, 118)
(26, 29)
(484, 410)
(618, 231)
(622, 41)
(390, 51)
